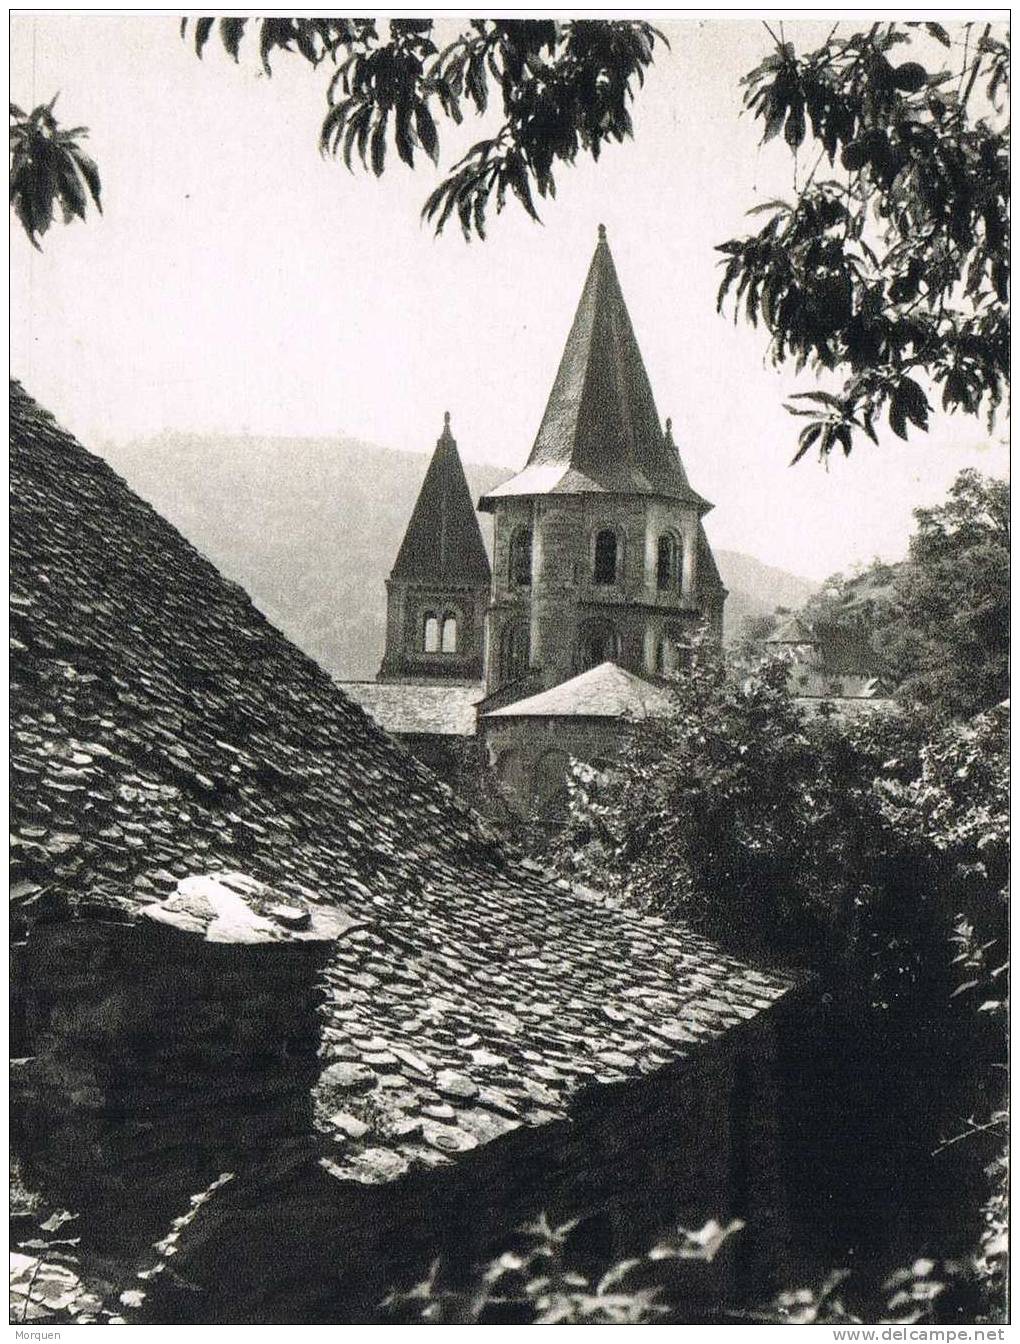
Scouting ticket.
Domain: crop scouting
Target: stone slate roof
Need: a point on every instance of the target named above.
(603, 692)
(443, 542)
(161, 727)
(601, 431)
(419, 707)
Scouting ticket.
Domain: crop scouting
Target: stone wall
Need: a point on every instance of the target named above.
(164, 1051)
(407, 606)
(531, 755)
(563, 596)
(635, 1161)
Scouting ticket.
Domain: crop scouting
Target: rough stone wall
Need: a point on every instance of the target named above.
(563, 595)
(637, 1160)
(531, 755)
(163, 1051)
(406, 608)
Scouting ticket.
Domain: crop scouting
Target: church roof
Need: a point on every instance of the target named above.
(601, 431)
(161, 727)
(443, 541)
(603, 692)
(445, 710)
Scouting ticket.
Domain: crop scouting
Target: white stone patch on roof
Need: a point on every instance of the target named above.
(603, 692)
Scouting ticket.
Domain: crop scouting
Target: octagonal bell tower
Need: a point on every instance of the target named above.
(599, 548)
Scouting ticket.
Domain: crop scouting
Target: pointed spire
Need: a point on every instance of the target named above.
(600, 430)
(443, 541)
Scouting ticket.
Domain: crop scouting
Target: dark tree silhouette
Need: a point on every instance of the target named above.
(893, 269)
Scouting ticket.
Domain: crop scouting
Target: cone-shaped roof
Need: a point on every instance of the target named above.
(443, 541)
(601, 431)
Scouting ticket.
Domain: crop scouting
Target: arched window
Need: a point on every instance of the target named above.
(520, 558)
(597, 642)
(431, 633)
(672, 654)
(449, 634)
(513, 652)
(605, 556)
(662, 666)
(667, 569)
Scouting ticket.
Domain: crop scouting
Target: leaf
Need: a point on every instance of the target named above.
(767, 205)
(231, 32)
(808, 438)
(962, 989)
(378, 145)
(203, 27)
(936, 31)
(426, 128)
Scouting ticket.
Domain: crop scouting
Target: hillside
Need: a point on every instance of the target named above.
(310, 528)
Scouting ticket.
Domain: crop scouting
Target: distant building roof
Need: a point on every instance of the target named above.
(161, 727)
(601, 431)
(792, 630)
(443, 541)
(419, 707)
(603, 692)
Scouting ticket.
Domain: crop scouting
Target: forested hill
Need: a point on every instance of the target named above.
(310, 528)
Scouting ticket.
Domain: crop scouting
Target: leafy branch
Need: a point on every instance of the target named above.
(897, 272)
(49, 168)
(563, 89)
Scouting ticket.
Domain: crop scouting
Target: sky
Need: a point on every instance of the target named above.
(237, 281)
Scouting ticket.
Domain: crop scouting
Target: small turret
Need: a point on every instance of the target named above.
(439, 585)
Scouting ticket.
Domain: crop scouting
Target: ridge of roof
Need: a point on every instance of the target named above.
(443, 542)
(162, 728)
(601, 431)
(606, 691)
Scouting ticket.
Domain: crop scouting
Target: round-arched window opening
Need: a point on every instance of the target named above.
(605, 557)
(513, 652)
(520, 557)
(672, 654)
(449, 634)
(668, 564)
(431, 639)
(597, 642)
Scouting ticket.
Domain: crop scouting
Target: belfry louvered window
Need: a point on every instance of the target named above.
(450, 634)
(431, 637)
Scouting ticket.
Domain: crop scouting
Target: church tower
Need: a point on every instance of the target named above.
(600, 553)
(438, 589)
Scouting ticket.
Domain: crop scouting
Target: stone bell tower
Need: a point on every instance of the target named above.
(600, 553)
(438, 589)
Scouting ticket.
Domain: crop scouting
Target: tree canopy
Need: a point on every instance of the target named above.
(562, 88)
(934, 628)
(890, 263)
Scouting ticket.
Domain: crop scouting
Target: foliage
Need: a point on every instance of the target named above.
(934, 628)
(563, 89)
(537, 1285)
(747, 817)
(951, 632)
(49, 168)
(893, 270)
